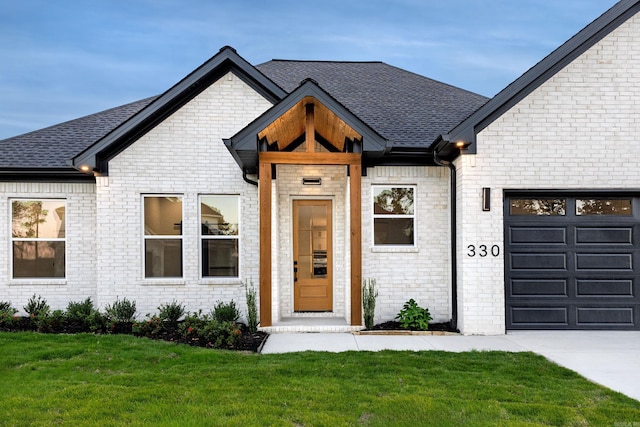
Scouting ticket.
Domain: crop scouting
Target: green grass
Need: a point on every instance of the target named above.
(122, 380)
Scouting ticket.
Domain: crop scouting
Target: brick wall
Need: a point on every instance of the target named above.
(80, 281)
(183, 156)
(423, 272)
(579, 130)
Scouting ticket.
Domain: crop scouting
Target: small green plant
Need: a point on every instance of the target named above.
(36, 306)
(369, 295)
(52, 322)
(151, 327)
(121, 311)
(252, 309)
(6, 307)
(81, 316)
(171, 312)
(8, 320)
(225, 312)
(414, 317)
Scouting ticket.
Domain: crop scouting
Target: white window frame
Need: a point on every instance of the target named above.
(201, 237)
(374, 191)
(146, 237)
(37, 239)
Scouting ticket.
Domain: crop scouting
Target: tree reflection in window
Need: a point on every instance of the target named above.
(393, 201)
(393, 215)
(603, 207)
(538, 206)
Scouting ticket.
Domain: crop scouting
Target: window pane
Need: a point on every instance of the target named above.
(163, 258)
(38, 219)
(219, 257)
(393, 201)
(538, 206)
(393, 231)
(603, 207)
(38, 259)
(162, 216)
(219, 215)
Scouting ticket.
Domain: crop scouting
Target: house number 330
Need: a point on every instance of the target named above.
(483, 250)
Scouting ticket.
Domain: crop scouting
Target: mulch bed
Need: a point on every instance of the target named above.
(395, 326)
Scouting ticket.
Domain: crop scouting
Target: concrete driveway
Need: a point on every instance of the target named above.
(609, 358)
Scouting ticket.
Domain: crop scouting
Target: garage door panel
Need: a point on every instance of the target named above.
(597, 316)
(604, 288)
(604, 236)
(538, 261)
(574, 268)
(594, 261)
(538, 288)
(536, 316)
(538, 235)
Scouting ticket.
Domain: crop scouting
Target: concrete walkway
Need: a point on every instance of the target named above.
(610, 358)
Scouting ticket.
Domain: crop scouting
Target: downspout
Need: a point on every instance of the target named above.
(244, 176)
(454, 249)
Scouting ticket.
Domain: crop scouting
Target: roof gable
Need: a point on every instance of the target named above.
(407, 109)
(95, 158)
(466, 131)
(244, 146)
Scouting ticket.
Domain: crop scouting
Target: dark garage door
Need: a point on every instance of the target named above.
(572, 262)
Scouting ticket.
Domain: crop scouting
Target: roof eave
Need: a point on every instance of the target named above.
(44, 175)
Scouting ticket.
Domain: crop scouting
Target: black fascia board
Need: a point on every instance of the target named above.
(44, 175)
(247, 138)
(98, 154)
(520, 88)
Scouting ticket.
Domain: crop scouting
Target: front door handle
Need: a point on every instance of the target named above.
(295, 271)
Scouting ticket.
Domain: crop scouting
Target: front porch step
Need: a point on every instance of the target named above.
(313, 324)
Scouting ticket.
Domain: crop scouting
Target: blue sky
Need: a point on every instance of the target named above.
(64, 59)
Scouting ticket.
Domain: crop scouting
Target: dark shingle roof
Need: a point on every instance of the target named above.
(407, 109)
(53, 146)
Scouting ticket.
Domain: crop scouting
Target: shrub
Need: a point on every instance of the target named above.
(6, 307)
(8, 321)
(226, 312)
(36, 306)
(121, 311)
(151, 327)
(50, 322)
(171, 312)
(252, 309)
(83, 317)
(414, 317)
(193, 323)
(204, 330)
(220, 334)
(369, 295)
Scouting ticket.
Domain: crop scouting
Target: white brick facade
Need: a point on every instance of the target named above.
(184, 156)
(422, 272)
(80, 255)
(579, 130)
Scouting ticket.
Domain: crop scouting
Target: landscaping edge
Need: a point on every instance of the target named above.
(396, 332)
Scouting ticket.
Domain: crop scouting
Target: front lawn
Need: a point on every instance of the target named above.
(122, 380)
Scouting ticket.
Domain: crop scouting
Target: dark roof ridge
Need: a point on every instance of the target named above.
(328, 61)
